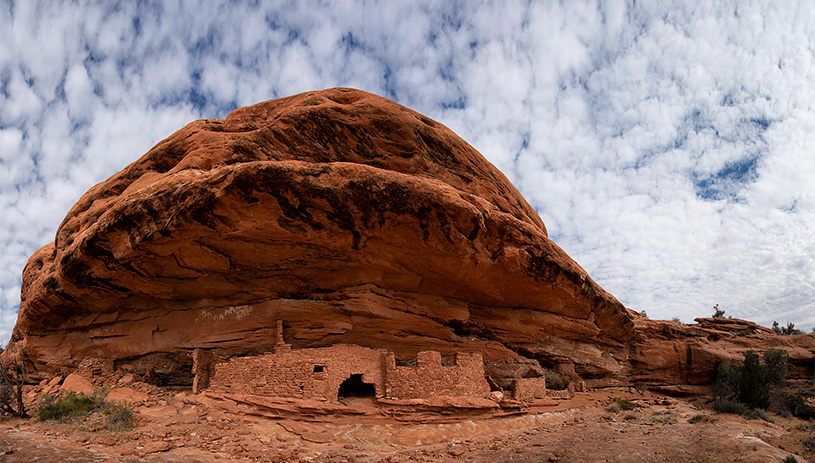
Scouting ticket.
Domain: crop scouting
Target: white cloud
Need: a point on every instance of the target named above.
(666, 146)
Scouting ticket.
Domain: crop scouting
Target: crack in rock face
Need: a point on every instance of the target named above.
(351, 217)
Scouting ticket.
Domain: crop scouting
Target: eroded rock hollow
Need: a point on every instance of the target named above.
(350, 217)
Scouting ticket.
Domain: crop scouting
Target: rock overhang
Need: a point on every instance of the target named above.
(333, 208)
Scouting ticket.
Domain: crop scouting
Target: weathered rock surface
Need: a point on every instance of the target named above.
(348, 216)
(671, 353)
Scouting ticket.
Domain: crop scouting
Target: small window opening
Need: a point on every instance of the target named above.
(319, 368)
(355, 387)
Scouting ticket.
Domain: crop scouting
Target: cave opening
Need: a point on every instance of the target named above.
(354, 386)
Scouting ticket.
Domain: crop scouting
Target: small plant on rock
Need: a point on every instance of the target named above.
(118, 416)
(618, 404)
(717, 312)
(700, 418)
(786, 330)
(663, 417)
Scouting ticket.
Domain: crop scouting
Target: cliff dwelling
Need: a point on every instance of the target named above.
(340, 371)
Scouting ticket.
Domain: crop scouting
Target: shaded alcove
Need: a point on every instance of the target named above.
(354, 386)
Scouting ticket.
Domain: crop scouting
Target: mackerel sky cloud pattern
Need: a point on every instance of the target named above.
(667, 147)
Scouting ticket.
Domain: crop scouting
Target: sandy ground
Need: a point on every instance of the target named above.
(582, 429)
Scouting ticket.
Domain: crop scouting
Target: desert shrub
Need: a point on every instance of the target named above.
(717, 312)
(750, 382)
(789, 459)
(556, 380)
(663, 417)
(776, 365)
(12, 379)
(69, 406)
(617, 404)
(754, 389)
(789, 329)
(118, 416)
(797, 405)
(728, 380)
(809, 443)
(630, 417)
(115, 416)
(757, 414)
(723, 405)
(700, 418)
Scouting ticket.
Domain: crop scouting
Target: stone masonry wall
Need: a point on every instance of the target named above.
(429, 378)
(529, 388)
(302, 373)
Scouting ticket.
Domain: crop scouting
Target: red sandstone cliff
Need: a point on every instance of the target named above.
(348, 216)
(354, 220)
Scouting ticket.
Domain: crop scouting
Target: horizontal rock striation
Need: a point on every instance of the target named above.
(350, 217)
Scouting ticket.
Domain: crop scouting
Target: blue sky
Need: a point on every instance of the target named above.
(667, 147)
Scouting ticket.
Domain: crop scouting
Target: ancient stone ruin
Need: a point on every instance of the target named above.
(346, 370)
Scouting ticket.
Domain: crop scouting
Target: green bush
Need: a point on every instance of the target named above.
(776, 365)
(118, 416)
(617, 404)
(749, 382)
(723, 405)
(789, 329)
(663, 417)
(66, 407)
(717, 312)
(790, 459)
(754, 390)
(728, 380)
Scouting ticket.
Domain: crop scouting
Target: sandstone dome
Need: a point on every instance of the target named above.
(349, 217)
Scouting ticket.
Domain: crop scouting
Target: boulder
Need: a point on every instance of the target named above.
(126, 394)
(78, 384)
(350, 217)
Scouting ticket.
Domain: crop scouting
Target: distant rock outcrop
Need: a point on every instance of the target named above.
(350, 217)
(671, 353)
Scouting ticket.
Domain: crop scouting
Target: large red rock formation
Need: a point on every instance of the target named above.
(348, 216)
(667, 353)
